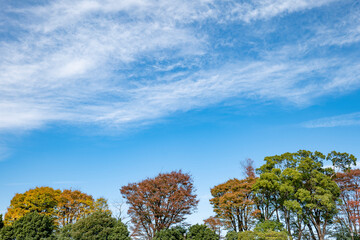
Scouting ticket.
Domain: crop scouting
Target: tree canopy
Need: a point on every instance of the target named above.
(160, 202)
(40, 199)
(99, 226)
(297, 188)
(65, 207)
(174, 233)
(32, 226)
(234, 202)
(201, 232)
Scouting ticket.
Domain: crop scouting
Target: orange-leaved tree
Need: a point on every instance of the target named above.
(157, 203)
(349, 210)
(214, 224)
(73, 205)
(233, 201)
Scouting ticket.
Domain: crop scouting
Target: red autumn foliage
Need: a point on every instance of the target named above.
(214, 224)
(349, 183)
(157, 203)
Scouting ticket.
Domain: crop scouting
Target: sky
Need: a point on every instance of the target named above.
(98, 94)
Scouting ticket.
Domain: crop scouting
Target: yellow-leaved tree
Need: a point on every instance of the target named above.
(40, 199)
(65, 207)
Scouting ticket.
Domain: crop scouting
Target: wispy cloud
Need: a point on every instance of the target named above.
(335, 121)
(259, 9)
(118, 63)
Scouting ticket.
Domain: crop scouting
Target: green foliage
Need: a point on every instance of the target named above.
(271, 235)
(269, 226)
(231, 235)
(176, 233)
(33, 226)
(201, 232)
(341, 161)
(341, 232)
(247, 235)
(300, 189)
(64, 233)
(98, 226)
(6, 233)
(267, 230)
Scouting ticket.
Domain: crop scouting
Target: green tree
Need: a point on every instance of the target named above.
(7, 233)
(175, 233)
(99, 226)
(64, 233)
(297, 188)
(247, 235)
(201, 232)
(269, 226)
(32, 226)
(231, 235)
(267, 230)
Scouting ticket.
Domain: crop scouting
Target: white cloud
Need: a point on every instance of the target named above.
(124, 62)
(343, 32)
(352, 119)
(265, 9)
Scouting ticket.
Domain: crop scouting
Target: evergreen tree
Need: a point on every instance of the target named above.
(201, 232)
(32, 226)
(98, 226)
(176, 233)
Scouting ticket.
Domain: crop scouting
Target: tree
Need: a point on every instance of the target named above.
(98, 226)
(266, 230)
(214, 224)
(232, 235)
(64, 233)
(101, 205)
(33, 226)
(73, 205)
(298, 189)
(269, 235)
(40, 199)
(160, 202)
(201, 232)
(342, 162)
(64, 207)
(175, 233)
(233, 201)
(349, 210)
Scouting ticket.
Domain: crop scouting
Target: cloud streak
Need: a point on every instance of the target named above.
(352, 119)
(118, 63)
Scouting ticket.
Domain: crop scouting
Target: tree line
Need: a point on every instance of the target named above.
(301, 195)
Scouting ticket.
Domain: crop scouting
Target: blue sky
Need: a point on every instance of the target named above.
(97, 94)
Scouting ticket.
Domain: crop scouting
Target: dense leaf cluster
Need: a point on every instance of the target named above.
(65, 207)
(296, 190)
(195, 232)
(36, 226)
